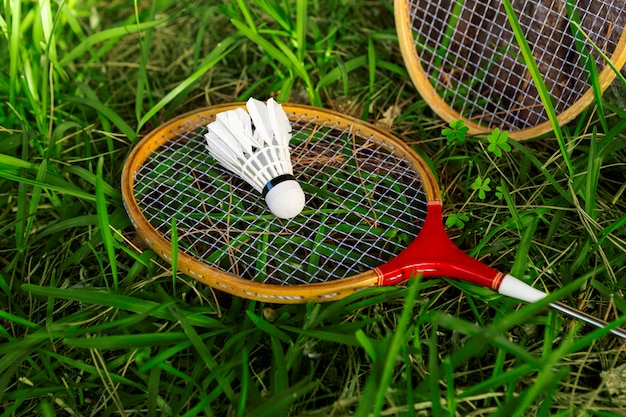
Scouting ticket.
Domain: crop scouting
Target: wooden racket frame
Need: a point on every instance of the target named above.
(229, 282)
(428, 92)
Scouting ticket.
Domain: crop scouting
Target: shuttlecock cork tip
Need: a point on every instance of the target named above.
(284, 197)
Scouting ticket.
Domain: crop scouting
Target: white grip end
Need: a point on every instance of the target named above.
(513, 287)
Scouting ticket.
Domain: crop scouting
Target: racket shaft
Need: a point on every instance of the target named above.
(594, 321)
(513, 287)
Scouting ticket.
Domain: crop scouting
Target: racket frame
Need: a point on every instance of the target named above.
(233, 284)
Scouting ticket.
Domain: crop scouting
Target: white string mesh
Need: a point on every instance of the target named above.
(364, 205)
(469, 52)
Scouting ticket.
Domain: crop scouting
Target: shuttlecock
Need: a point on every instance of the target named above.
(255, 146)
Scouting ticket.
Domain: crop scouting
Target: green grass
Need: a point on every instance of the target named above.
(93, 323)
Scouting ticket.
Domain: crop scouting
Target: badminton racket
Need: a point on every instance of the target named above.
(373, 215)
(463, 58)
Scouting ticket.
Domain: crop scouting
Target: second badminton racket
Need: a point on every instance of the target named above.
(464, 60)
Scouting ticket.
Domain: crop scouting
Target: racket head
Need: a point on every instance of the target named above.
(367, 196)
(464, 60)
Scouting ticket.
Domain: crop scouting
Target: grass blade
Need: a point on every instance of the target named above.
(217, 54)
(339, 73)
(206, 356)
(269, 328)
(127, 341)
(55, 184)
(588, 61)
(108, 113)
(35, 198)
(104, 224)
(379, 381)
(136, 305)
(143, 86)
(542, 89)
(14, 16)
(523, 248)
(105, 35)
(301, 23)
(281, 401)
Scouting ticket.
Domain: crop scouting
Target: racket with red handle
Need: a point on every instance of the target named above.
(373, 215)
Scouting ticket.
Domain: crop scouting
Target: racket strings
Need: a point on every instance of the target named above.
(364, 205)
(352, 217)
(470, 56)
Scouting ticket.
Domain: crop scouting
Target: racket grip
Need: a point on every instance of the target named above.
(514, 288)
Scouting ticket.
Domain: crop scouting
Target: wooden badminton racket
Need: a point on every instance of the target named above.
(463, 58)
(373, 215)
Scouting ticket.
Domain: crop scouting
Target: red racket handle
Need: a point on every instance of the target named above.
(432, 253)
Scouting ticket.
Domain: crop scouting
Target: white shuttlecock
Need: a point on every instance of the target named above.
(255, 146)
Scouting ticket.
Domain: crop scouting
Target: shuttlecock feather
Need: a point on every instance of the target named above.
(255, 146)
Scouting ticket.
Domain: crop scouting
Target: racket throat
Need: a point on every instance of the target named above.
(432, 254)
